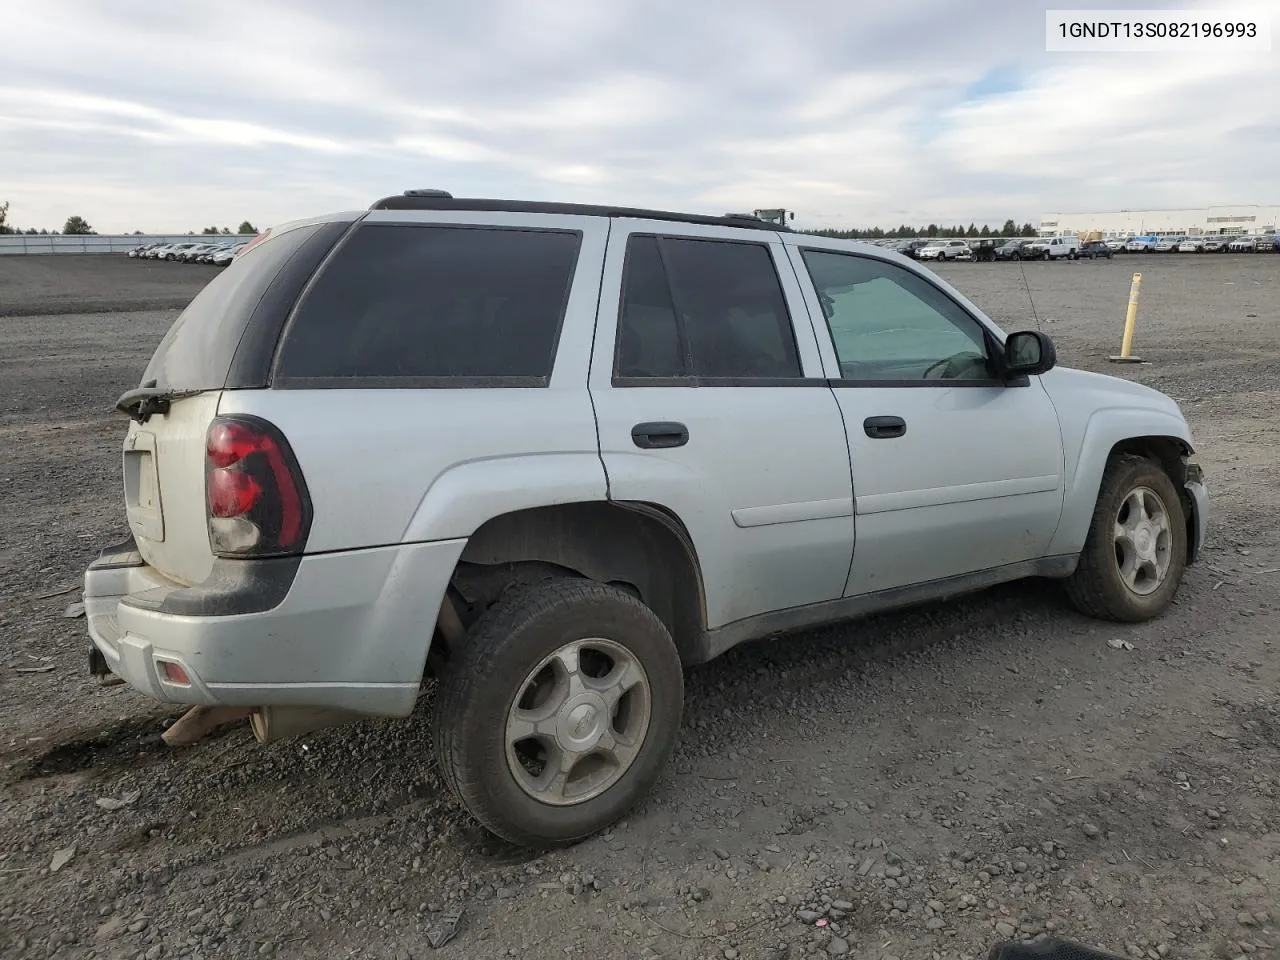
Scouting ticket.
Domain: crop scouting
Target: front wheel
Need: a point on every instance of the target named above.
(559, 712)
(1136, 550)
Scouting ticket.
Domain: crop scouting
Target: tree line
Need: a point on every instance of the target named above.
(904, 232)
(79, 226)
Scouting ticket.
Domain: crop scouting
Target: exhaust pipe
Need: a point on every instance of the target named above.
(270, 724)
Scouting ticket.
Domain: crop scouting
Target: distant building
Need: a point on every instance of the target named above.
(1202, 221)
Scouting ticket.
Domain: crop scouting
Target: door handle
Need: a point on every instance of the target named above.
(660, 434)
(884, 428)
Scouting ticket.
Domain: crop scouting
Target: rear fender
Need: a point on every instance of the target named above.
(468, 494)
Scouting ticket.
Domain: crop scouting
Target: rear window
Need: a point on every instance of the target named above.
(197, 352)
(430, 305)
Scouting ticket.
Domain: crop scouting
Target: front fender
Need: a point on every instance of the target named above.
(1102, 432)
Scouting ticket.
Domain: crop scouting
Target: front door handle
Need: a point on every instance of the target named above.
(884, 428)
(659, 435)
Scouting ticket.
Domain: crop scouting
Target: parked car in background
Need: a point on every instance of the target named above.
(1093, 249)
(1053, 248)
(1191, 245)
(1275, 243)
(154, 252)
(1167, 244)
(1243, 245)
(1115, 245)
(141, 250)
(190, 254)
(226, 254)
(910, 248)
(1217, 244)
(943, 250)
(1013, 249)
(984, 249)
(1143, 244)
(178, 250)
(555, 557)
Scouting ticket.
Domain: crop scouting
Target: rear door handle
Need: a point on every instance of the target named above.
(659, 434)
(884, 428)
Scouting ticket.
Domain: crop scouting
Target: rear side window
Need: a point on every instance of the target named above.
(197, 352)
(430, 305)
(705, 309)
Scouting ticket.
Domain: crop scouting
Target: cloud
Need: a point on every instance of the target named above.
(170, 117)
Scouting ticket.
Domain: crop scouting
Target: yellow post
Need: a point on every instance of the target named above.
(1130, 321)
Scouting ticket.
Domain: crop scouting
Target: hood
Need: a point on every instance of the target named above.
(1072, 386)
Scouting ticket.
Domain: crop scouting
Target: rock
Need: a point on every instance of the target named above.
(844, 905)
(935, 905)
(893, 872)
(1262, 917)
(1246, 919)
(838, 947)
(74, 610)
(111, 804)
(155, 952)
(934, 923)
(730, 953)
(109, 929)
(808, 916)
(1047, 847)
(138, 925)
(1020, 866)
(1089, 829)
(721, 853)
(1005, 930)
(61, 858)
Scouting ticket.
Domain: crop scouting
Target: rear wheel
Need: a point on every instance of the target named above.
(1136, 550)
(559, 712)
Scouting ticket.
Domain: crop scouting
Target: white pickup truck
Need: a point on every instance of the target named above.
(1053, 248)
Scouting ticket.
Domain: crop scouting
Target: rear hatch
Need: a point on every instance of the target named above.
(222, 340)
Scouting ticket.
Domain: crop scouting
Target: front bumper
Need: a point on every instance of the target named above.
(351, 631)
(1198, 522)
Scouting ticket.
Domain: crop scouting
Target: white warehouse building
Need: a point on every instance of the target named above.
(1202, 221)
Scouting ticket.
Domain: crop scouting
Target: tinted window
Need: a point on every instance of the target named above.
(197, 351)
(434, 303)
(703, 308)
(888, 323)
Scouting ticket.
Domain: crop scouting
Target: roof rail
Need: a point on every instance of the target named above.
(440, 200)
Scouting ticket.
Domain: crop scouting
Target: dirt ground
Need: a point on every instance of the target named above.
(917, 785)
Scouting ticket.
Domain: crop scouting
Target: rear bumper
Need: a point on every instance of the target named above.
(350, 631)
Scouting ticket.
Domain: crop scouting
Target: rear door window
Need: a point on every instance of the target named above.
(711, 310)
(197, 352)
(432, 305)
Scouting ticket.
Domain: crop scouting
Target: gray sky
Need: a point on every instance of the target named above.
(176, 115)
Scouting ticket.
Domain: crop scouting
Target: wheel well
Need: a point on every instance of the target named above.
(1172, 453)
(639, 547)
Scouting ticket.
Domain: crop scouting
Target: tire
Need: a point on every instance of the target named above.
(1097, 588)
(1015, 255)
(501, 662)
(1071, 255)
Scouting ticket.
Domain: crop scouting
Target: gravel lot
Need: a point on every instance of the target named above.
(916, 785)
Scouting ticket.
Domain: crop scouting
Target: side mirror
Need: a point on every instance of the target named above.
(1028, 353)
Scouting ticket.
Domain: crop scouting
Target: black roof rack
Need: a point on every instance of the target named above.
(440, 200)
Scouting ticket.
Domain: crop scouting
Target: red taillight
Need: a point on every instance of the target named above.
(257, 500)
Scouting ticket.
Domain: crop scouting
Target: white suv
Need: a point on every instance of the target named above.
(549, 454)
(945, 250)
